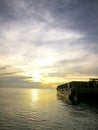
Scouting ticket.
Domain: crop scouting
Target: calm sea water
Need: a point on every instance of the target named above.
(40, 109)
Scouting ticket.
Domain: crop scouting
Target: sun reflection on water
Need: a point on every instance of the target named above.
(35, 97)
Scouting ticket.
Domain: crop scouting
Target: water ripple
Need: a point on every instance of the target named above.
(20, 111)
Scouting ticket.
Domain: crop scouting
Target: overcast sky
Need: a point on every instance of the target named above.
(47, 42)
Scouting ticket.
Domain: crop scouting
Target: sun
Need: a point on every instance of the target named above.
(36, 77)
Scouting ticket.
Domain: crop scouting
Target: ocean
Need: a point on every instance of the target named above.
(41, 109)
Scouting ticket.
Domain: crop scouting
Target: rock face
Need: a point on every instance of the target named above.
(78, 91)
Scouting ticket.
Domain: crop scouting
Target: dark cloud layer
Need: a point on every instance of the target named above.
(78, 14)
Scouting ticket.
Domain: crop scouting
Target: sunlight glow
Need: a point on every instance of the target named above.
(35, 76)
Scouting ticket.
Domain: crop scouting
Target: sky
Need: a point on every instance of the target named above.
(44, 43)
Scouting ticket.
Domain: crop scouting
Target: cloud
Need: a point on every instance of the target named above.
(55, 38)
(19, 82)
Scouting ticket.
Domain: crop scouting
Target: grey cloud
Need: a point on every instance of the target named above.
(9, 74)
(4, 67)
(78, 15)
(57, 74)
(85, 64)
(84, 70)
(14, 81)
(20, 11)
(74, 14)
